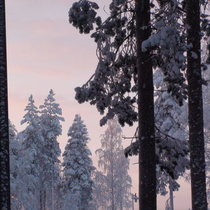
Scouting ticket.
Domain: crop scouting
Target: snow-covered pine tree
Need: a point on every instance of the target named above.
(113, 182)
(77, 168)
(50, 124)
(30, 170)
(171, 136)
(15, 155)
(58, 195)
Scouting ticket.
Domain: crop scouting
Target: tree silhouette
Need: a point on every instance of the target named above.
(195, 104)
(4, 128)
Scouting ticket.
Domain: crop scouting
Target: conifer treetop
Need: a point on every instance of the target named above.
(31, 115)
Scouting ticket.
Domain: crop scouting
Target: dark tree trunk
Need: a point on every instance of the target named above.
(147, 163)
(4, 128)
(40, 199)
(196, 136)
(44, 200)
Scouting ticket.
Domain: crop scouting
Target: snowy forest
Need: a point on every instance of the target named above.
(152, 74)
(40, 180)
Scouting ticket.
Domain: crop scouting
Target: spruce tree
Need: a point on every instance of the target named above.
(50, 124)
(77, 168)
(32, 156)
(15, 155)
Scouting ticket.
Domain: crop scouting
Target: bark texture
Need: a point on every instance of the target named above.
(196, 135)
(147, 163)
(4, 128)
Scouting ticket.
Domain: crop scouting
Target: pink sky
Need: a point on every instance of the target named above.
(45, 52)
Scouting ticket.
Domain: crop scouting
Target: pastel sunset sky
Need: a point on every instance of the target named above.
(45, 52)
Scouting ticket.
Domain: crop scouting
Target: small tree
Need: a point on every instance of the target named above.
(77, 183)
(113, 182)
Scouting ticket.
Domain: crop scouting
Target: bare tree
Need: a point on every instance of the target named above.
(112, 181)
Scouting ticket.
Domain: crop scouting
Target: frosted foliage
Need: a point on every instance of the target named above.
(113, 80)
(207, 139)
(31, 135)
(14, 167)
(205, 27)
(112, 182)
(50, 122)
(23, 175)
(51, 129)
(31, 115)
(169, 41)
(113, 88)
(99, 191)
(171, 137)
(206, 99)
(171, 144)
(27, 167)
(206, 104)
(34, 157)
(83, 15)
(77, 168)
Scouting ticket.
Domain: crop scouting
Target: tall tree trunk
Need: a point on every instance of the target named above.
(44, 200)
(4, 128)
(40, 199)
(147, 163)
(196, 136)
